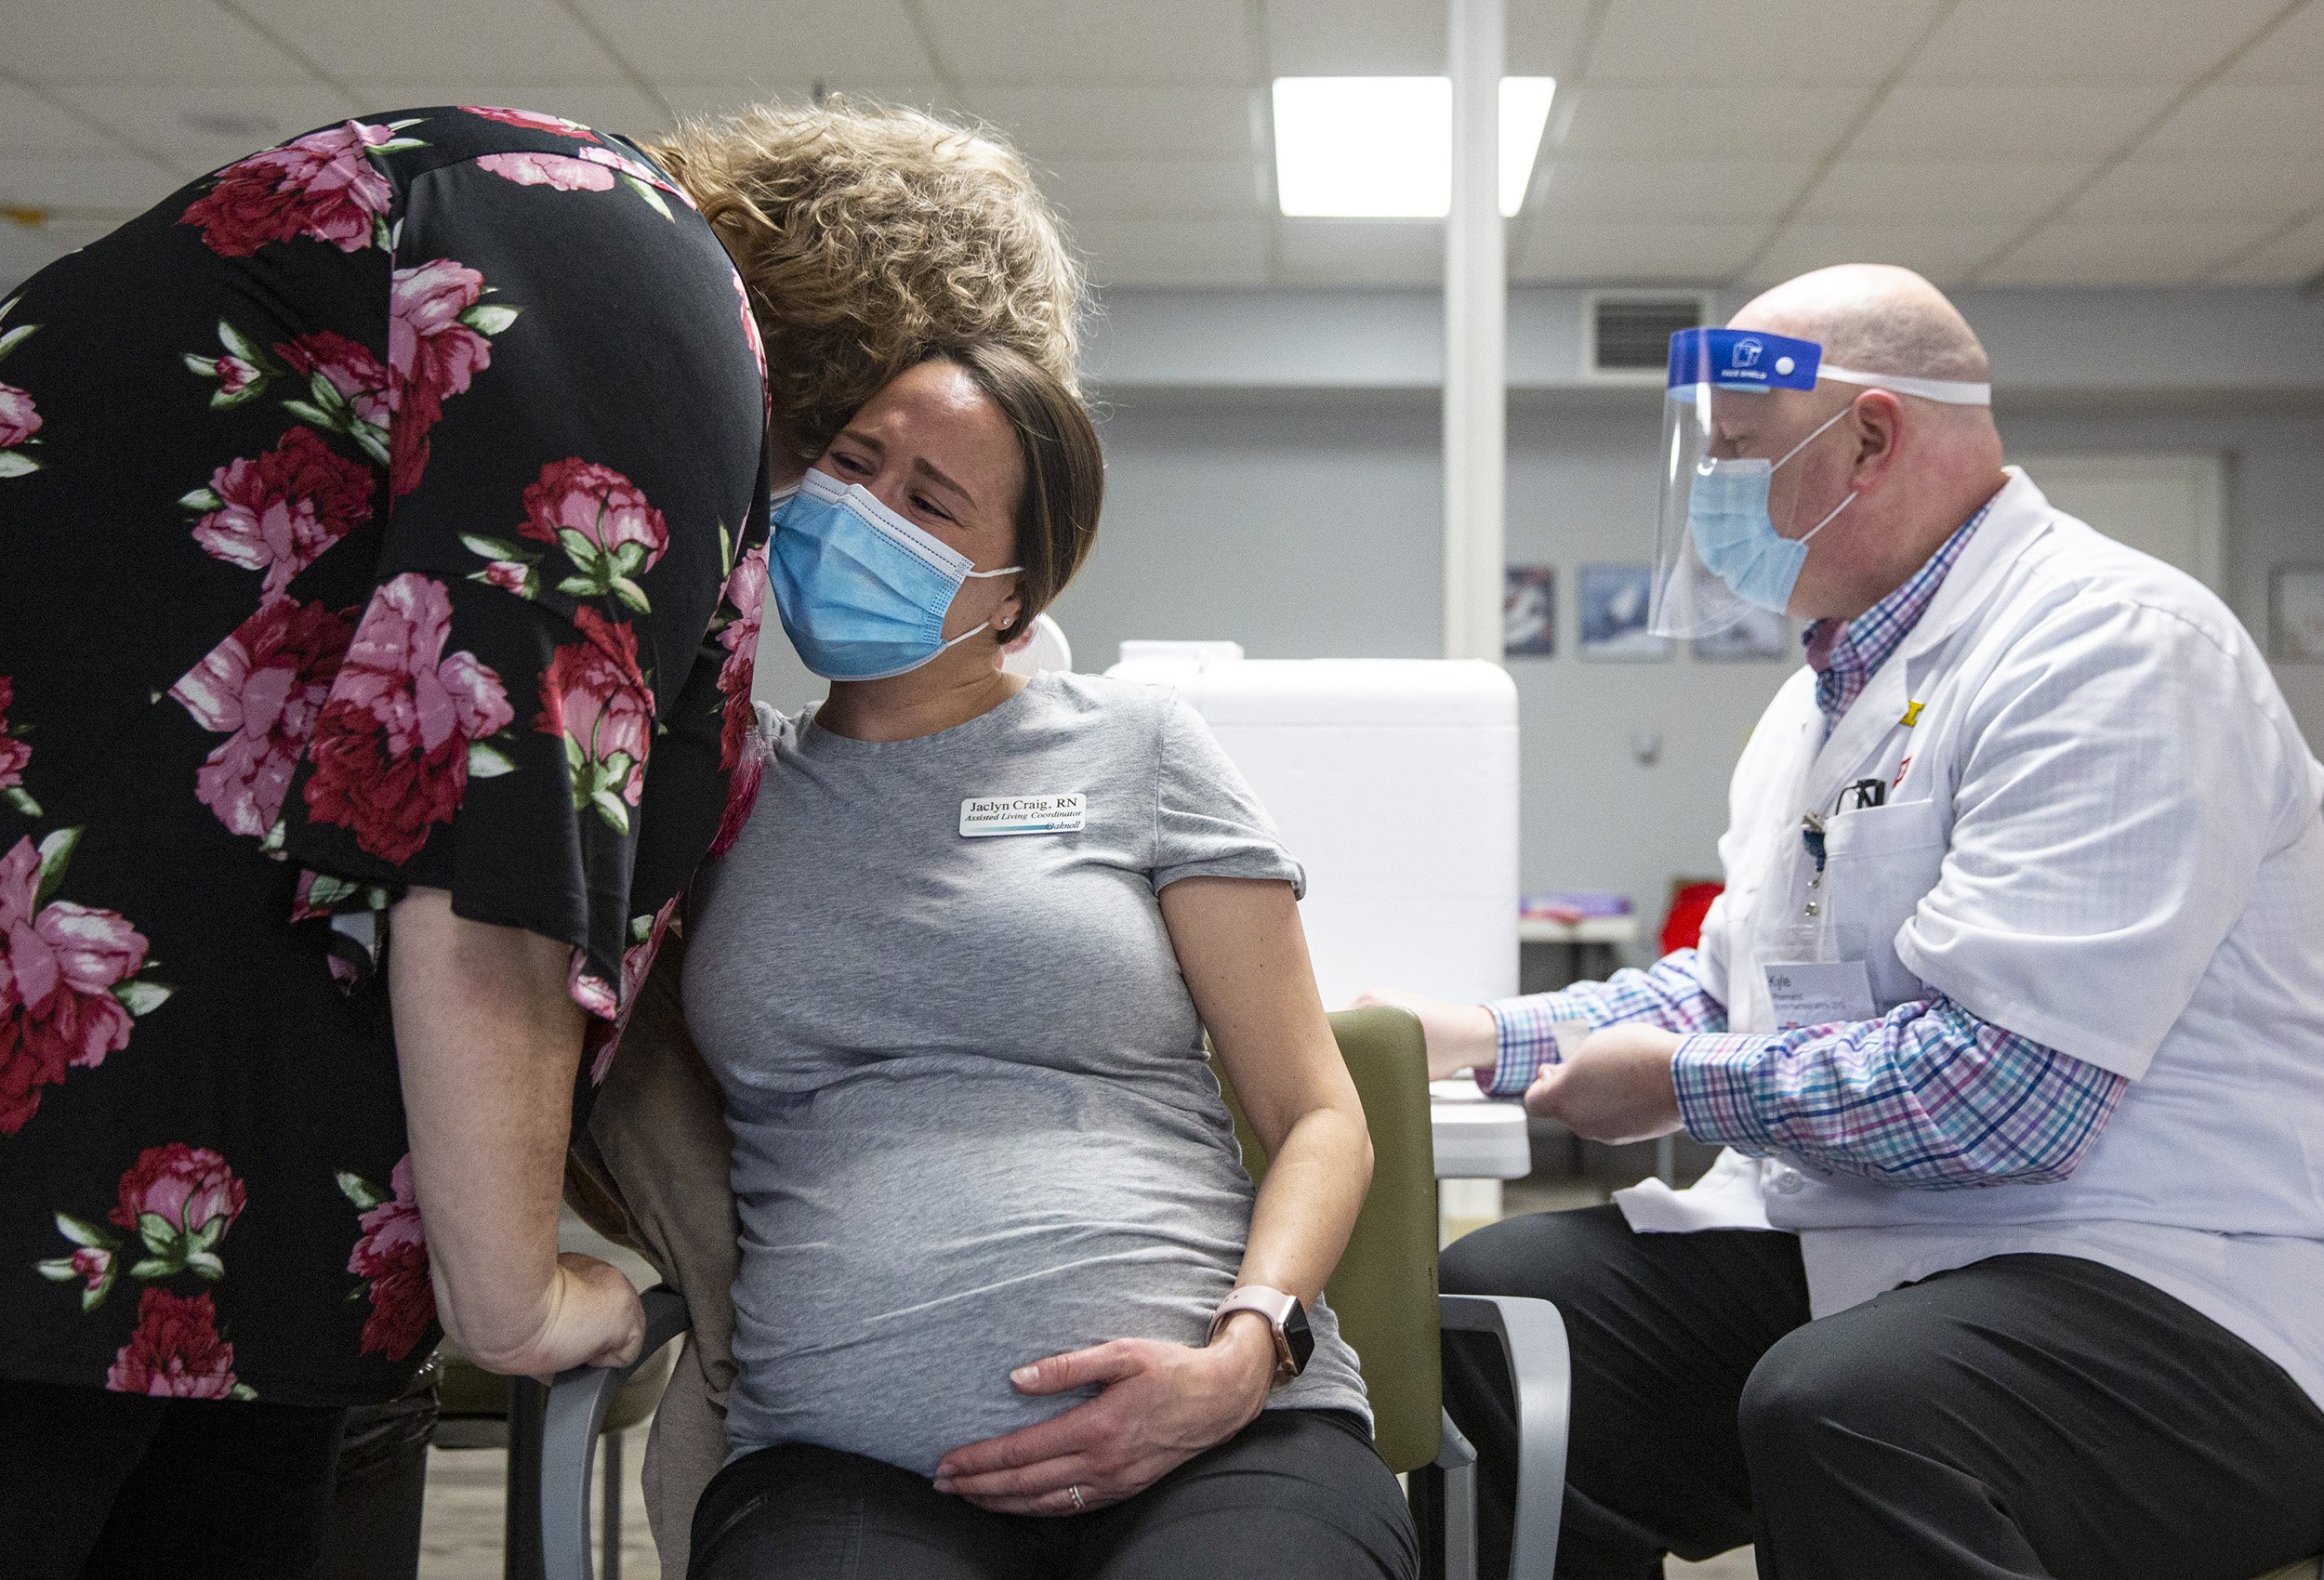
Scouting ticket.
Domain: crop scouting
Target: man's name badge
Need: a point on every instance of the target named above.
(1820, 992)
(987, 817)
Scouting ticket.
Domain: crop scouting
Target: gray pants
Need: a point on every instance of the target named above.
(2029, 1416)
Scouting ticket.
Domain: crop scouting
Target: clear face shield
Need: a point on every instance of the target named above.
(1732, 534)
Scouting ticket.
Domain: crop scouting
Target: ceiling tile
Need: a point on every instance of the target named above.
(139, 41)
(1692, 121)
(2046, 40)
(1361, 252)
(1545, 38)
(2274, 118)
(1174, 252)
(799, 40)
(198, 126)
(1060, 125)
(1664, 189)
(1945, 253)
(1942, 189)
(31, 125)
(1634, 253)
(711, 95)
(526, 39)
(1356, 38)
(610, 103)
(1736, 41)
(2123, 252)
(1152, 189)
(1093, 41)
(2293, 258)
(2153, 188)
(2294, 52)
(63, 180)
(1983, 117)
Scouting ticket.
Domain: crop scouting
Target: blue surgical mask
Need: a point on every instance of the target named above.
(863, 592)
(1726, 515)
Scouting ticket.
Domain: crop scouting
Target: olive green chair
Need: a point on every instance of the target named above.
(1384, 1292)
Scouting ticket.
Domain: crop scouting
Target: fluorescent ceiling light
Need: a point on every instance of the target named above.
(1380, 147)
(1525, 113)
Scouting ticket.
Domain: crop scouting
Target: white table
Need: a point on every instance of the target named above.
(1480, 1141)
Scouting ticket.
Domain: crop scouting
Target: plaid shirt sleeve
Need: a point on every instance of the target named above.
(1928, 1097)
(1667, 995)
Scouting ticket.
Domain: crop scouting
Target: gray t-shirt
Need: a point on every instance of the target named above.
(974, 1123)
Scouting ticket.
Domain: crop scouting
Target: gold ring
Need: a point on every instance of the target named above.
(1074, 1492)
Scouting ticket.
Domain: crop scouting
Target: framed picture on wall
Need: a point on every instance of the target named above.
(2296, 612)
(1614, 599)
(1757, 637)
(1529, 611)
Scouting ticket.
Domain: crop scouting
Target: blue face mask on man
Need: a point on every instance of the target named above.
(863, 593)
(1734, 537)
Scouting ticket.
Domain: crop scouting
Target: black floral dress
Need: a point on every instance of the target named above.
(385, 509)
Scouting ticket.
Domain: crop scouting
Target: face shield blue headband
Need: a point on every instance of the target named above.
(863, 593)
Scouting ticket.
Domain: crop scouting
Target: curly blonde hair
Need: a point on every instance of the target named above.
(871, 237)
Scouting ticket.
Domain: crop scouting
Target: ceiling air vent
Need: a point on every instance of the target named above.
(1628, 334)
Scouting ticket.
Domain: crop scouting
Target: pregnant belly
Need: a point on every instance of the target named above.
(881, 1308)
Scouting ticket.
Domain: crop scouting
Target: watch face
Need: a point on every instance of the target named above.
(1297, 1334)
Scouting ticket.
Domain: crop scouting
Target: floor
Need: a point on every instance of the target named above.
(461, 1537)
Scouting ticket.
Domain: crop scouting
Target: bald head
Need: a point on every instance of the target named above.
(1874, 318)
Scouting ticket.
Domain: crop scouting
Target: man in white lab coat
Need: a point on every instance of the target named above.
(2011, 1016)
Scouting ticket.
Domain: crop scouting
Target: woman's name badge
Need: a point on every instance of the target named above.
(1818, 992)
(984, 817)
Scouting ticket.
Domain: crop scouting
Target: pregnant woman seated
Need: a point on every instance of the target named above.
(1008, 1304)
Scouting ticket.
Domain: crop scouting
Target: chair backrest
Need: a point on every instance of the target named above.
(1384, 1290)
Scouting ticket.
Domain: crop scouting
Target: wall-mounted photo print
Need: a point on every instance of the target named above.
(1529, 611)
(1614, 607)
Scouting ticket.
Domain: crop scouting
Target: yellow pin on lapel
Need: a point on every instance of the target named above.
(1912, 714)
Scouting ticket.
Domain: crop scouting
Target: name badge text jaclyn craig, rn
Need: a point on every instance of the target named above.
(981, 817)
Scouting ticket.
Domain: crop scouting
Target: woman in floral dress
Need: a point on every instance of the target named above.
(381, 561)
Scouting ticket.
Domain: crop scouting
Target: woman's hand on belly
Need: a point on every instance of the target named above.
(1159, 1405)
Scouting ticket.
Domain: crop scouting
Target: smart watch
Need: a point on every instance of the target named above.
(1286, 1319)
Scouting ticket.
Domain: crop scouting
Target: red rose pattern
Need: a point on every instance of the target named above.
(18, 421)
(264, 685)
(58, 965)
(323, 185)
(562, 171)
(533, 121)
(593, 696)
(432, 352)
(175, 1352)
(746, 596)
(188, 1188)
(14, 755)
(390, 746)
(607, 512)
(279, 511)
(351, 368)
(393, 1254)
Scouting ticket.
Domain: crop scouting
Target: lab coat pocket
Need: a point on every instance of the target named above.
(1879, 862)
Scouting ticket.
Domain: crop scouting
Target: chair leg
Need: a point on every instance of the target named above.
(528, 1405)
(609, 1566)
(1456, 1464)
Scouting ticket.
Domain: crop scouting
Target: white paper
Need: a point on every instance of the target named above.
(1817, 993)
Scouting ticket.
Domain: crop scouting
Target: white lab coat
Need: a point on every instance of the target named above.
(2103, 834)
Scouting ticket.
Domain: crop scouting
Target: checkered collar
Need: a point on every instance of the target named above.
(1845, 654)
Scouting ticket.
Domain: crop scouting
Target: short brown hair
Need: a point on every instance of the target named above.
(1064, 468)
(868, 238)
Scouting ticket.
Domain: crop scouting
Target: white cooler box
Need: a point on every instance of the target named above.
(1393, 782)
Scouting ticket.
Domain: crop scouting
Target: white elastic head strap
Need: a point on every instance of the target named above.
(1951, 392)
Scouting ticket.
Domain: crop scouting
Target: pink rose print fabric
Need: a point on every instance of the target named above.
(323, 185)
(265, 686)
(278, 512)
(446, 508)
(69, 987)
(593, 697)
(440, 333)
(393, 739)
(175, 1352)
(16, 755)
(392, 1256)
